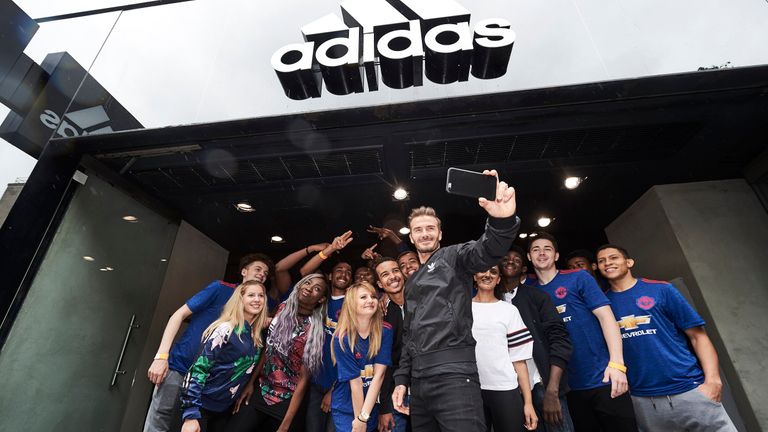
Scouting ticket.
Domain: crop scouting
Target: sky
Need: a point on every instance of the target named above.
(208, 60)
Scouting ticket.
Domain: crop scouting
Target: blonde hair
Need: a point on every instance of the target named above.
(423, 211)
(233, 313)
(347, 325)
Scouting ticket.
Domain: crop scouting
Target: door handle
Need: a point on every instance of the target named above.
(132, 325)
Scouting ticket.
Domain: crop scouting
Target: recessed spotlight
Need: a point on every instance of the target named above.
(244, 207)
(400, 194)
(533, 235)
(109, 268)
(104, 269)
(130, 218)
(276, 239)
(163, 260)
(573, 182)
(89, 258)
(523, 235)
(405, 230)
(544, 222)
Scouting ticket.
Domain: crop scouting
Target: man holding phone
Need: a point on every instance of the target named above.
(438, 359)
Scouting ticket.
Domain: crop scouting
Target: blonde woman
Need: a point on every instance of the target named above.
(231, 348)
(361, 351)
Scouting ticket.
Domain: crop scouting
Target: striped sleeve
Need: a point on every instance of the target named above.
(519, 339)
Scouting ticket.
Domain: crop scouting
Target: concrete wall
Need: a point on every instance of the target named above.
(714, 236)
(8, 199)
(195, 261)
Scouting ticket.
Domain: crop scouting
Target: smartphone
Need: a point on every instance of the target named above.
(470, 183)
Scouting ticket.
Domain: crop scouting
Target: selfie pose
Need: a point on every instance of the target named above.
(231, 348)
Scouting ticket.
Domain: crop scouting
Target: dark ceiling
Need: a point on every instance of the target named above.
(312, 176)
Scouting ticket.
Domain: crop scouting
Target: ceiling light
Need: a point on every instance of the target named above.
(544, 222)
(244, 207)
(523, 235)
(533, 235)
(405, 230)
(163, 260)
(89, 258)
(276, 239)
(573, 182)
(104, 269)
(400, 194)
(130, 218)
(109, 268)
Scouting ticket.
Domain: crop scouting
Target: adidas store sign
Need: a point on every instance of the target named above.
(397, 42)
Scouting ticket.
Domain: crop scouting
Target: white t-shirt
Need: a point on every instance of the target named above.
(502, 338)
(533, 371)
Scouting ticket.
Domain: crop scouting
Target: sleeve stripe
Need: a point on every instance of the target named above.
(524, 329)
(519, 343)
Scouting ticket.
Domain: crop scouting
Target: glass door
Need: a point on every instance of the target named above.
(71, 356)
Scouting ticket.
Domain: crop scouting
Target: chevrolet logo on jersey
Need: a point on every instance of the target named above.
(632, 322)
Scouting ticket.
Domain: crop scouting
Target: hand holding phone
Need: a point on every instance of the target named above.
(470, 184)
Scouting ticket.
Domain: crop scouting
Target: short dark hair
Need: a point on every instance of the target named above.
(250, 258)
(542, 235)
(621, 250)
(402, 254)
(379, 260)
(518, 250)
(581, 253)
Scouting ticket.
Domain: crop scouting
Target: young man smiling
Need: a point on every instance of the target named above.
(672, 389)
(438, 360)
(598, 399)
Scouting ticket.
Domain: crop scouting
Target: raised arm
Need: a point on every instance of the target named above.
(282, 268)
(336, 245)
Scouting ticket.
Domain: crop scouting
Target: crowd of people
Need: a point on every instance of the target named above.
(478, 336)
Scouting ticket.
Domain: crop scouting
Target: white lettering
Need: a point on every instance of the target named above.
(50, 119)
(638, 333)
(494, 28)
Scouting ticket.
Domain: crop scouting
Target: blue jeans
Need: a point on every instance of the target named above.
(538, 405)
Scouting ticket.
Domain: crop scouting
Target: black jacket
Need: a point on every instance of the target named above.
(437, 333)
(551, 341)
(394, 317)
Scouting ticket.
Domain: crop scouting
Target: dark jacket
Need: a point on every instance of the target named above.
(551, 341)
(437, 333)
(394, 317)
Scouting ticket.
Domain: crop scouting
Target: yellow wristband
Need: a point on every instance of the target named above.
(161, 356)
(618, 367)
(322, 255)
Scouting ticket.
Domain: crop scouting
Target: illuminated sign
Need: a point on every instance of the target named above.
(404, 40)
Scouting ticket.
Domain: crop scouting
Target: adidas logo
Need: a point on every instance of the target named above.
(93, 120)
(397, 42)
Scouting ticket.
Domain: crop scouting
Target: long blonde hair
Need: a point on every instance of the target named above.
(233, 313)
(347, 324)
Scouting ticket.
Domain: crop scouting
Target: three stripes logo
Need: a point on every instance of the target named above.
(88, 121)
(397, 42)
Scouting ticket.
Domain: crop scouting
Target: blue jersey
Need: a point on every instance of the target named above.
(354, 363)
(219, 374)
(575, 295)
(653, 316)
(326, 376)
(206, 307)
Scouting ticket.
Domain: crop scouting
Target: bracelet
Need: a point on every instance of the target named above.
(322, 255)
(617, 366)
(361, 420)
(161, 356)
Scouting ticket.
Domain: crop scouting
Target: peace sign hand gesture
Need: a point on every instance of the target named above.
(341, 241)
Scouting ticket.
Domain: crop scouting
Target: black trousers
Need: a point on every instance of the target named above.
(211, 421)
(447, 403)
(258, 416)
(593, 410)
(503, 410)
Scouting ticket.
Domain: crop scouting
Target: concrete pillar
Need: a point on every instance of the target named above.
(714, 235)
